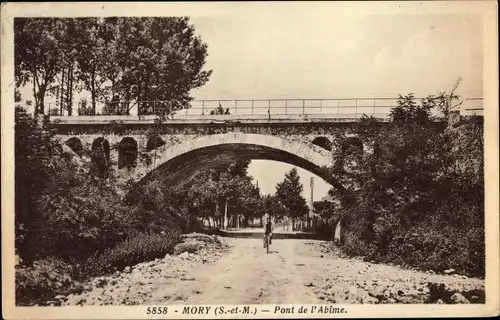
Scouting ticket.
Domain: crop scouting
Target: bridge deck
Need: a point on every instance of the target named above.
(183, 119)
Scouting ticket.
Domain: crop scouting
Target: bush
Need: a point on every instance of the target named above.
(427, 248)
(41, 280)
(139, 248)
(419, 195)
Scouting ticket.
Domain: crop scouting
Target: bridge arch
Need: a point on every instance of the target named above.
(352, 144)
(154, 142)
(100, 157)
(178, 164)
(75, 145)
(323, 142)
(127, 153)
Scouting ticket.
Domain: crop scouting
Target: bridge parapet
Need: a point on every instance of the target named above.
(345, 108)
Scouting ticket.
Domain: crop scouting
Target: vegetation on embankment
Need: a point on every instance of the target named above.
(418, 198)
(70, 224)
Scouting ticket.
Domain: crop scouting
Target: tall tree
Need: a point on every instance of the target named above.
(157, 59)
(94, 49)
(38, 54)
(289, 193)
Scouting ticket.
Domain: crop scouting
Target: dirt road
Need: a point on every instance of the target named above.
(295, 271)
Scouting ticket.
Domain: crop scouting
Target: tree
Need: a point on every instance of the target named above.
(127, 59)
(328, 210)
(157, 59)
(273, 206)
(59, 208)
(94, 49)
(289, 193)
(417, 190)
(38, 54)
(32, 168)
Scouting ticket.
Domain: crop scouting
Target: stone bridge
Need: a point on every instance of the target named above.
(176, 150)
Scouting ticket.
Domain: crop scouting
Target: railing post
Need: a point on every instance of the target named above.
(374, 103)
(303, 107)
(235, 106)
(321, 105)
(252, 106)
(356, 116)
(269, 108)
(286, 107)
(338, 109)
(202, 107)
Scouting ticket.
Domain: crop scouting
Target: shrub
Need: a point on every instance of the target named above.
(139, 248)
(426, 247)
(43, 279)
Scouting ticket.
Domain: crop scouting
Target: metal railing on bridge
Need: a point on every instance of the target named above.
(350, 108)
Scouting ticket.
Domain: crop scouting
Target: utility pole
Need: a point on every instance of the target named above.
(311, 183)
(225, 215)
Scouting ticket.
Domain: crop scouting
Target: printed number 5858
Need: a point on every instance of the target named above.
(157, 310)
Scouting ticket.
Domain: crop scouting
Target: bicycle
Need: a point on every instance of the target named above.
(267, 242)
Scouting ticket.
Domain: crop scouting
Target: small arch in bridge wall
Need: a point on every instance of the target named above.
(127, 153)
(154, 142)
(100, 157)
(352, 144)
(323, 142)
(76, 145)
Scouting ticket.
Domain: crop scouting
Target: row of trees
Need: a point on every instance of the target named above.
(113, 59)
(229, 190)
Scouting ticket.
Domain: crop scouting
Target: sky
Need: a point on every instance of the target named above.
(303, 54)
(340, 56)
(268, 173)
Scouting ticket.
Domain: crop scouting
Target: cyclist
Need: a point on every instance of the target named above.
(268, 231)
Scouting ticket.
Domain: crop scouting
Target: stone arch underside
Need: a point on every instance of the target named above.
(127, 153)
(179, 164)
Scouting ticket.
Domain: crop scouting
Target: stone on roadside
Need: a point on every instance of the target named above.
(99, 282)
(87, 287)
(127, 269)
(184, 255)
(369, 299)
(190, 245)
(449, 271)
(458, 298)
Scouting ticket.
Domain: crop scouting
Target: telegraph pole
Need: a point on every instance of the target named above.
(311, 184)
